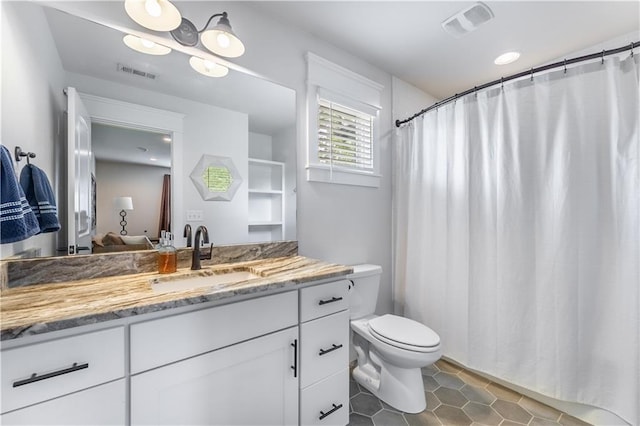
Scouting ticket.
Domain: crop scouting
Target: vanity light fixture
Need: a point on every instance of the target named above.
(161, 15)
(207, 67)
(145, 46)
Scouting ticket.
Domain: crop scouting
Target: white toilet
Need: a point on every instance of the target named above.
(391, 350)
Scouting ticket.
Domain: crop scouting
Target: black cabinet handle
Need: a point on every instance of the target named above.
(35, 378)
(333, 299)
(333, 410)
(331, 349)
(294, 367)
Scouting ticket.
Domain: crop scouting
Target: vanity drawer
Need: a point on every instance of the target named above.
(162, 341)
(326, 402)
(324, 347)
(42, 371)
(323, 299)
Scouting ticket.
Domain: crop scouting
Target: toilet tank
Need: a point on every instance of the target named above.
(363, 294)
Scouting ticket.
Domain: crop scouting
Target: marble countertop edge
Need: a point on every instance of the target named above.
(42, 317)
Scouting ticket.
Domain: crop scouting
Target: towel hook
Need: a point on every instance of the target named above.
(19, 153)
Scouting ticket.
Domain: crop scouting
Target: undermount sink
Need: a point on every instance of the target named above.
(201, 280)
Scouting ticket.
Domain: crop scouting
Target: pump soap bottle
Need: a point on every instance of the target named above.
(167, 255)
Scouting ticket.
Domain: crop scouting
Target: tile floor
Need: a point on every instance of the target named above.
(457, 397)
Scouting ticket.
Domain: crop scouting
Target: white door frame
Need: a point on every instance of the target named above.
(124, 114)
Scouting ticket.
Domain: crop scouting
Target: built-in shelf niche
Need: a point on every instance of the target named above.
(266, 200)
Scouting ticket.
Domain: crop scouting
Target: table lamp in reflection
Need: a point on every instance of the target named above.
(123, 204)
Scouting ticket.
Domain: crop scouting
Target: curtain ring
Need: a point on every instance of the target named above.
(502, 83)
(565, 66)
(475, 91)
(602, 61)
(531, 74)
(632, 46)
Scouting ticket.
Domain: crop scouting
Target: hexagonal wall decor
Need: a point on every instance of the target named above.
(216, 178)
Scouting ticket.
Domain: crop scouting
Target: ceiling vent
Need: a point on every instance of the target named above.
(467, 20)
(130, 70)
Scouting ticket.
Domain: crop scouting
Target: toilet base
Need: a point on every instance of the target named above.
(401, 388)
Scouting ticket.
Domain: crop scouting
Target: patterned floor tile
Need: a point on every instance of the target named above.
(457, 397)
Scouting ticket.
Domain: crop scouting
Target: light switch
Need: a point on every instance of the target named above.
(195, 215)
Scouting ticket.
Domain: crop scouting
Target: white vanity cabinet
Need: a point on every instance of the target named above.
(71, 380)
(324, 355)
(233, 364)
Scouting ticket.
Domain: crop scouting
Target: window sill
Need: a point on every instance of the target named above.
(321, 173)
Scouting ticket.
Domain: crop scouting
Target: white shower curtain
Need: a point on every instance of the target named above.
(517, 232)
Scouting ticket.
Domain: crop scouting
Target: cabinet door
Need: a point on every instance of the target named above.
(102, 405)
(250, 383)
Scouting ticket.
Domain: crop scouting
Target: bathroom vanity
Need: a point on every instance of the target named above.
(273, 350)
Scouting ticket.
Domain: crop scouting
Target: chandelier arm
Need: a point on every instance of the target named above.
(224, 14)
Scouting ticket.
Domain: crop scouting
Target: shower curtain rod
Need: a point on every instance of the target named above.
(531, 72)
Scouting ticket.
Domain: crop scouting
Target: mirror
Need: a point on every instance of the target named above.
(241, 116)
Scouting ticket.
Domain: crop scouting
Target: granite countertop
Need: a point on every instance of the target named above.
(44, 308)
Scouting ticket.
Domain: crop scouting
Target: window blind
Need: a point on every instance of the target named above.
(344, 136)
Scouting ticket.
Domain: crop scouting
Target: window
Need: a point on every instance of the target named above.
(345, 136)
(343, 112)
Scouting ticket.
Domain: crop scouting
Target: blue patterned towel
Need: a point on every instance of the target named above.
(17, 220)
(40, 196)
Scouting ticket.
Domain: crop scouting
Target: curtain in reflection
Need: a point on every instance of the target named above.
(165, 205)
(516, 232)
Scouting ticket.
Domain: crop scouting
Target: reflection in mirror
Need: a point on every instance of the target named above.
(134, 165)
(239, 116)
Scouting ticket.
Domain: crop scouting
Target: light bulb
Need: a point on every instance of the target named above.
(147, 43)
(208, 65)
(223, 40)
(153, 8)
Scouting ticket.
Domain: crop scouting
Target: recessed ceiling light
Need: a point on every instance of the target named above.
(153, 159)
(166, 138)
(507, 58)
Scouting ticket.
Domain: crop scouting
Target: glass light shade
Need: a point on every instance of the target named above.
(157, 15)
(221, 39)
(507, 58)
(123, 203)
(145, 46)
(208, 68)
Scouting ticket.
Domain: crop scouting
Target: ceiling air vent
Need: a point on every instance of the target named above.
(467, 20)
(130, 70)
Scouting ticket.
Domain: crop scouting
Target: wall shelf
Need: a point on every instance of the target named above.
(266, 200)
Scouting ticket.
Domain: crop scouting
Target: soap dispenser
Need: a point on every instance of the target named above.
(167, 255)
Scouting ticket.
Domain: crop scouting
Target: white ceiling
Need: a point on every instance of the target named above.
(405, 38)
(124, 145)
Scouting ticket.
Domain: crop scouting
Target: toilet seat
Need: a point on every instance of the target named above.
(404, 333)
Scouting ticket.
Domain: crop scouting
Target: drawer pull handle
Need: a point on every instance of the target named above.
(294, 367)
(333, 299)
(333, 410)
(35, 378)
(331, 349)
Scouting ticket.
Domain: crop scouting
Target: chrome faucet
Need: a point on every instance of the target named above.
(187, 234)
(196, 255)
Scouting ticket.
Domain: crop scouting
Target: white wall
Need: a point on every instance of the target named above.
(336, 223)
(282, 143)
(207, 130)
(140, 182)
(32, 100)
(260, 146)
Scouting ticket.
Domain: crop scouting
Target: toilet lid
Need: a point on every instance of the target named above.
(404, 331)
